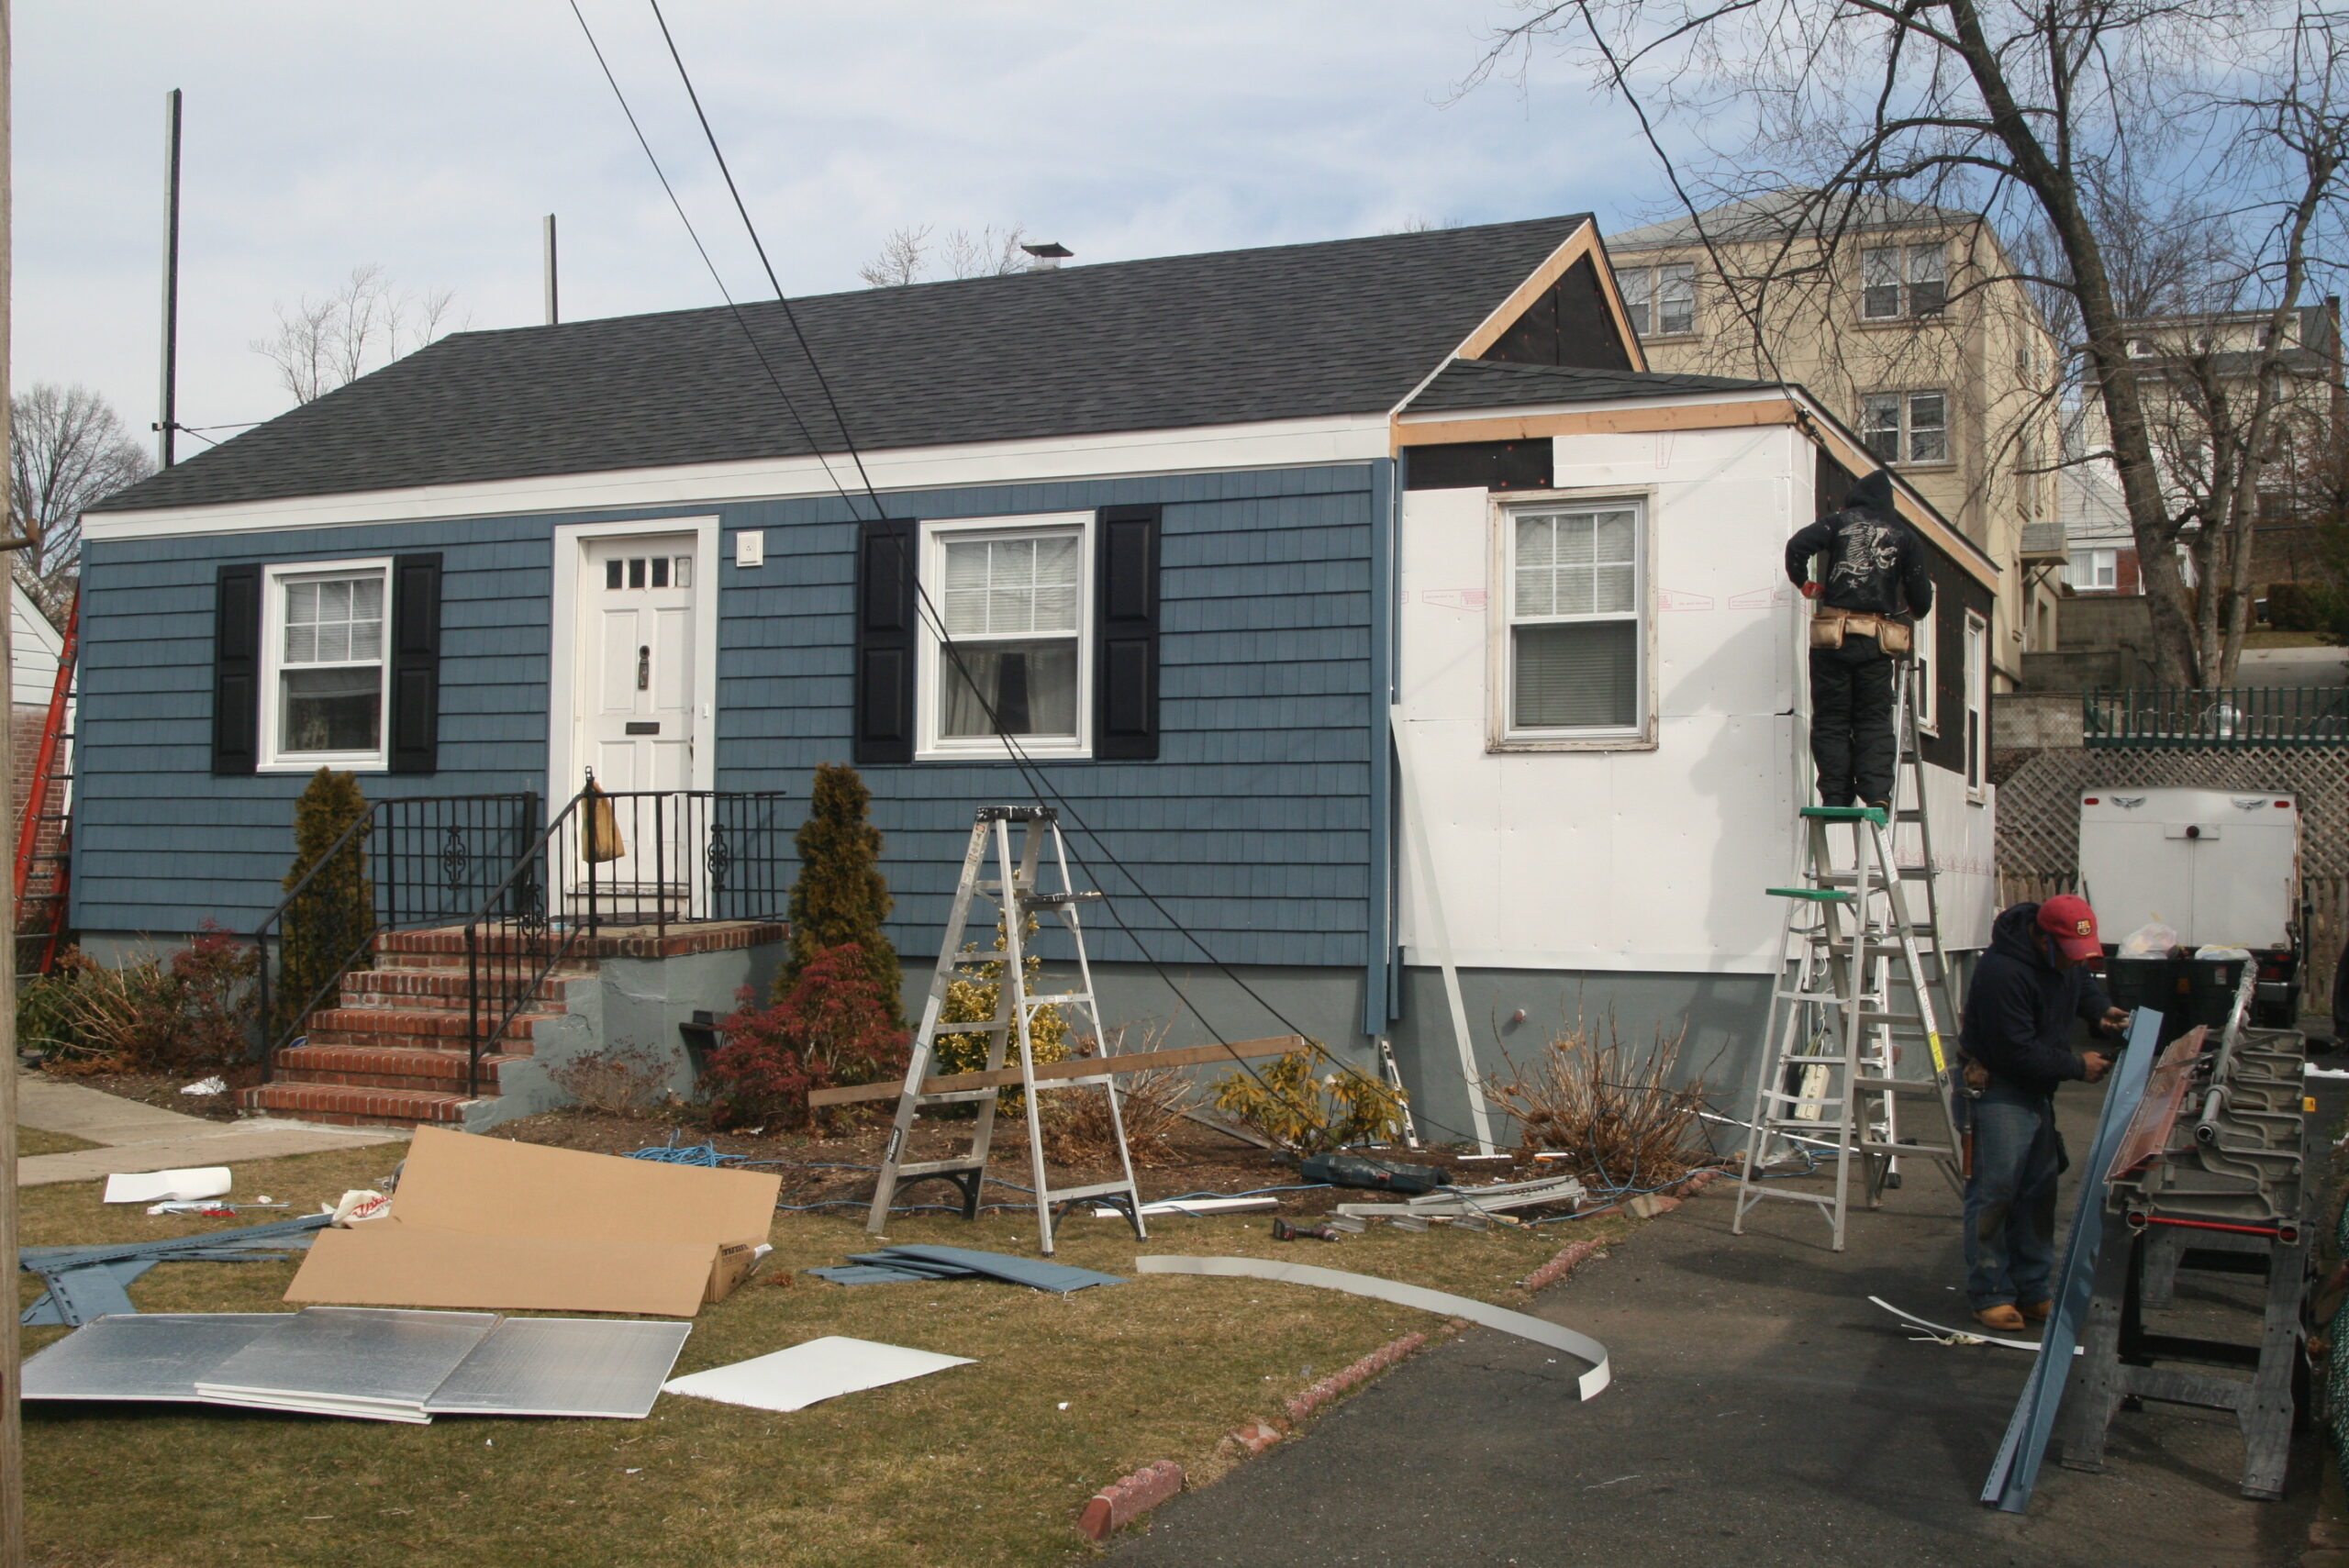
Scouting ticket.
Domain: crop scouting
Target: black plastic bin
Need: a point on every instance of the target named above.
(2142, 982)
(2210, 987)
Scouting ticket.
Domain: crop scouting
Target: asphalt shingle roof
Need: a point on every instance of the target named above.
(1500, 383)
(1291, 331)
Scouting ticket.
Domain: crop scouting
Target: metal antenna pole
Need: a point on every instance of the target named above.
(168, 425)
(554, 315)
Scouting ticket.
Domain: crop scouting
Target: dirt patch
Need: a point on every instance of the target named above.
(840, 1169)
(164, 1091)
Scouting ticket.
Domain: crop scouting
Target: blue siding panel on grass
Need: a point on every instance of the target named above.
(1251, 832)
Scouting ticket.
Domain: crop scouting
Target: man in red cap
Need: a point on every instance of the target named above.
(2026, 992)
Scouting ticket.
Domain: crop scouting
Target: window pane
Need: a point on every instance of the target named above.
(1638, 286)
(1576, 677)
(1536, 587)
(1879, 283)
(1029, 686)
(330, 710)
(1927, 428)
(1676, 300)
(334, 621)
(1927, 280)
(999, 587)
(1880, 426)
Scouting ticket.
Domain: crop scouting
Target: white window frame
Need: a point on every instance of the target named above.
(928, 609)
(1976, 761)
(1928, 655)
(2101, 563)
(1905, 435)
(1502, 733)
(274, 579)
(1644, 300)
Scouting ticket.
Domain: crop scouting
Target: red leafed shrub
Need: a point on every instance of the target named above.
(833, 1026)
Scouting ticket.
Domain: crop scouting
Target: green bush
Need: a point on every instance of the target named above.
(841, 899)
(334, 914)
(2293, 606)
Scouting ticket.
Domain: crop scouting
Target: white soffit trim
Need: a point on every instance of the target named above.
(1697, 399)
(1287, 443)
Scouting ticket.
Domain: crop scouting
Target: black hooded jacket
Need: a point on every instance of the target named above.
(1875, 563)
(2019, 1008)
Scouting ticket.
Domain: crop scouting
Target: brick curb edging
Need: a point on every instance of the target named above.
(1129, 1497)
(1339, 1382)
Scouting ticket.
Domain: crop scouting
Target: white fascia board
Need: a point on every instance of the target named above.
(1599, 406)
(1596, 962)
(1286, 443)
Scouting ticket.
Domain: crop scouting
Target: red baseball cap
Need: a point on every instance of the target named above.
(2070, 924)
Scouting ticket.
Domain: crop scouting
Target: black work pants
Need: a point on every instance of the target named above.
(1851, 722)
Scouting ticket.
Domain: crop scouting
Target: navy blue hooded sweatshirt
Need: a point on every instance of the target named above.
(2019, 1008)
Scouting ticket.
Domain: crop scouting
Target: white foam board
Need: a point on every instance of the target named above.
(168, 1187)
(820, 1369)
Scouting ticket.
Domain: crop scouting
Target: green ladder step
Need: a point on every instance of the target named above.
(1844, 814)
(1816, 895)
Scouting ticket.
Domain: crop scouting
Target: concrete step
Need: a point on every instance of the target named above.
(346, 1105)
(387, 1067)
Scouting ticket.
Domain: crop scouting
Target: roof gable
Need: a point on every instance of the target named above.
(1294, 331)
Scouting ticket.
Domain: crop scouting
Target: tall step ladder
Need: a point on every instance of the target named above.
(45, 828)
(1018, 894)
(1830, 1084)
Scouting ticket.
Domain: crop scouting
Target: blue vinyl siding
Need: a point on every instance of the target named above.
(1252, 829)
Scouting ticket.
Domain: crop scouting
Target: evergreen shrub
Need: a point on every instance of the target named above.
(334, 914)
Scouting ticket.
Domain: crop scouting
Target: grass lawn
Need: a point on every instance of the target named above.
(969, 1468)
(33, 1141)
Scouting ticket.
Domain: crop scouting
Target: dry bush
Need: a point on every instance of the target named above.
(616, 1083)
(1620, 1124)
(188, 1015)
(1076, 1126)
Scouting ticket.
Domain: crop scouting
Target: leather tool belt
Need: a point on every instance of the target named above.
(1830, 626)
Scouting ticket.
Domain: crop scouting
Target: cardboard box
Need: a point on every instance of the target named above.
(481, 1222)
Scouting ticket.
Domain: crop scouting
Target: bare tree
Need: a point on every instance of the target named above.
(331, 340)
(905, 257)
(2099, 128)
(69, 450)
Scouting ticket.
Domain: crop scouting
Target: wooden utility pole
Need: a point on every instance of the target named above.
(12, 1430)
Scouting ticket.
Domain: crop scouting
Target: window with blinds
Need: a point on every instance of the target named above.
(325, 655)
(1575, 620)
(1009, 645)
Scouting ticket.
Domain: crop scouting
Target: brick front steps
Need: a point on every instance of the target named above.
(392, 1049)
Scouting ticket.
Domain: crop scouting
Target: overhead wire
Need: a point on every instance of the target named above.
(926, 607)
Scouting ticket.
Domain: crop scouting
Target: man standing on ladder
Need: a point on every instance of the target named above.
(2025, 993)
(1876, 575)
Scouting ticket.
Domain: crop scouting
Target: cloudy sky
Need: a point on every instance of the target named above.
(429, 137)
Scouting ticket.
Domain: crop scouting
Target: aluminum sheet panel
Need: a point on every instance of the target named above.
(564, 1366)
(383, 1363)
(155, 1355)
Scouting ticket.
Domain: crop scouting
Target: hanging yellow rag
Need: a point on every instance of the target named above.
(599, 839)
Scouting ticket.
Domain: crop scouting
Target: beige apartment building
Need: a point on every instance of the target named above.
(1907, 322)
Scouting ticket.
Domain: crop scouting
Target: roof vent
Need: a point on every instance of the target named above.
(1048, 256)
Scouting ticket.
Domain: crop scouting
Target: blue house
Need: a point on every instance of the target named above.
(1196, 531)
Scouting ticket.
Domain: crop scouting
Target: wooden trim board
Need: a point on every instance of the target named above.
(1074, 1067)
(1637, 420)
(1583, 242)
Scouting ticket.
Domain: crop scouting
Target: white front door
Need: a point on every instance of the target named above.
(637, 712)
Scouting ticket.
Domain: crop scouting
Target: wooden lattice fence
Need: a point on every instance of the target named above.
(2039, 823)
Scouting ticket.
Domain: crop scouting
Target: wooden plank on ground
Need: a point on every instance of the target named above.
(1074, 1067)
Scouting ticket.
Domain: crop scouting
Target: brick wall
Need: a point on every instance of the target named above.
(25, 723)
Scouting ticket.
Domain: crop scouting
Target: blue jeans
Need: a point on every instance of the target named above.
(2011, 1197)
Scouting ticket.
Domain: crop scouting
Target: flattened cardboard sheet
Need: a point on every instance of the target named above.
(487, 1222)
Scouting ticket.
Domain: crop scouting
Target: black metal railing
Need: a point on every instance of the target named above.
(640, 860)
(427, 862)
(2215, 715)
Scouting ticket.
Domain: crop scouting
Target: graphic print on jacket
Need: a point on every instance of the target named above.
(1876, 565)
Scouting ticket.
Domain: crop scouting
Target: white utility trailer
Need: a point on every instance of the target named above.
(2220, 867)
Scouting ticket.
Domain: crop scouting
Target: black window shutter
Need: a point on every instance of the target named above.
(1125, 678)
(236, 670)
(415, 664)
(884, 641)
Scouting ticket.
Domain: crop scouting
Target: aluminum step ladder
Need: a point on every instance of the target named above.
(1831, 1083)
(1018, 895)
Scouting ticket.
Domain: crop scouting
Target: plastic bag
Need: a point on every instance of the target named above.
(365, 1204)
(2153, 941)
(2222, 955)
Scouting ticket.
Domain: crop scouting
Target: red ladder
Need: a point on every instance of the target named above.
(43, 874)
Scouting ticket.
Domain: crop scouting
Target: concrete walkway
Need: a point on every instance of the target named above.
(1762, 1414)
(141, 1137)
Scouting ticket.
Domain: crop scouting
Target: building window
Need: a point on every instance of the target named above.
(1004, 621)
(1662, 300)
(324, 688)
(2094, 571)
(1977, 703)
(1575, 641)
(1902, 281)
(1906, 427)
(1928, 656)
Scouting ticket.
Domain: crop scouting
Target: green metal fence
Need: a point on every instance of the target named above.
(2215, 715)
